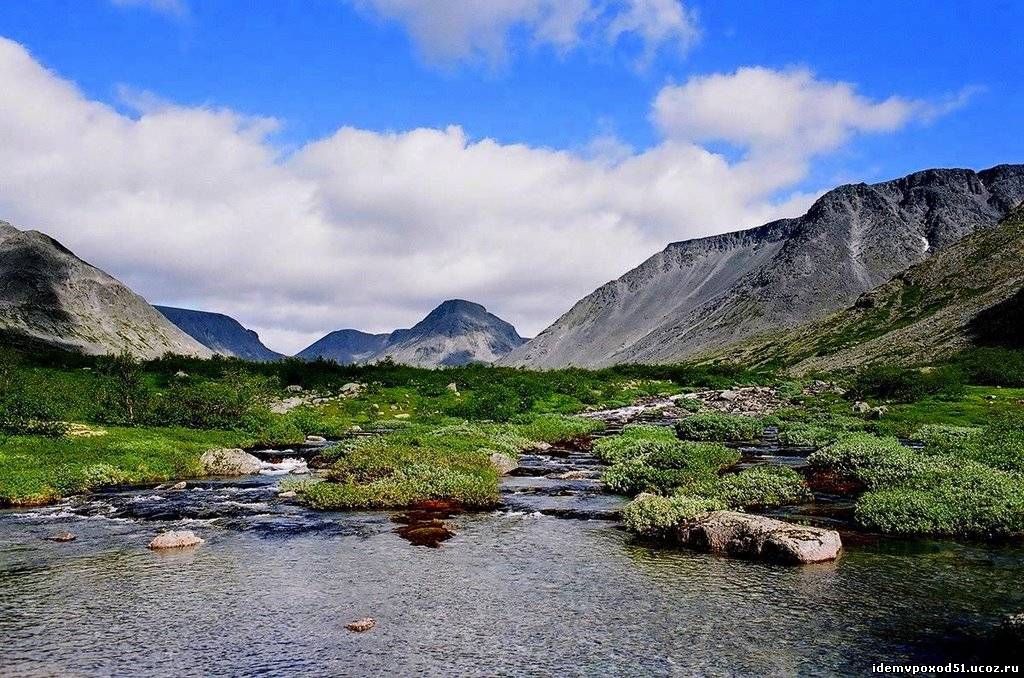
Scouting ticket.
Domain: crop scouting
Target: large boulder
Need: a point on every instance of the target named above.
(175, 539)
(229, 462)
(742, 535)
(504, 463)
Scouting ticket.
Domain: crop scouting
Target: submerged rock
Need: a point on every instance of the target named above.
(361, 625)
(229, 462)
(62, 537)
(176, 539)
(504, 463)
(743, 535)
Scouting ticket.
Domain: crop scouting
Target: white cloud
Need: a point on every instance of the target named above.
(176, 8)
(458, 30)
(195, 207)
(776, 111)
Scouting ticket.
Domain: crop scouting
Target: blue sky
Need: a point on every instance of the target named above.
(383, 67)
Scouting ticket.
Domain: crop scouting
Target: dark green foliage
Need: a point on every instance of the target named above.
(763, 486)
(28, 404)
(1000, 325)
(888, 382)
(124, 397)
(992, 366)
(721, 427)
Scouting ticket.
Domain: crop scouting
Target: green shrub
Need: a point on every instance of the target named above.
(28, 405)
(809, 435)
(721, 427)
(889, 382)
(219, 404)
(943, 439)
(655, 516)
(875, 462)
(763, 486)
(664, 465)
(634, 441)
(123, 397)
(992, 366)
(980, 502)
(1000, 445)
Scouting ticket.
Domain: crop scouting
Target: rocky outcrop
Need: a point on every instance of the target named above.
(503, 462)
(455, 333)
(175, 539)
(229, 462)
(742, 535)
(699, 295)
(48, 296)
(220, 333)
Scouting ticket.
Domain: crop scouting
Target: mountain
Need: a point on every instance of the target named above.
(698, 295)
(971, 293)
(51, 297)
(220, 333)
(455, 333)
(345, 347)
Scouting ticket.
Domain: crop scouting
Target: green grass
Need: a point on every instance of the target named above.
(441, 460)
(36, 470)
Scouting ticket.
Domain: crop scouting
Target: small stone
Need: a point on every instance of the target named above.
(453, 387)
(181, 374)
(290, 494)
(728, 395)
(355, 428)
(401, 416)
(313, 440)
(361, 625)
(229, 462)
(503, 462)
(62, 537)
(351, 388)
(178, 486)
(175, 539)
(861, 407)
(293, 388)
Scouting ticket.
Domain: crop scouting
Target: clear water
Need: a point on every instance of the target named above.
(514, 592)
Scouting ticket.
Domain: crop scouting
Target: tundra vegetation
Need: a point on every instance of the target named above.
(71, 423)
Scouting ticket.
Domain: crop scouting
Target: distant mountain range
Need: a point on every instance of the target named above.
(457, 332)
(220, 333)
(902, 271)
(699, 295)
(48, 296)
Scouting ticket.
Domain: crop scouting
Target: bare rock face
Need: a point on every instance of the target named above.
(504, 463)
(700, 295)
(455, 333)
(229, 462)
(176, 539)
(49, 296)
(742, 535)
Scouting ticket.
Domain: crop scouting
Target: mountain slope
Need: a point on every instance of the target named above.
(971, 293)
(345, 347)
(700, 294)
(50, 296)
(220, 333)
(455, 333)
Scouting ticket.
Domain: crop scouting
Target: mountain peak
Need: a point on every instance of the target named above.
(458, 306)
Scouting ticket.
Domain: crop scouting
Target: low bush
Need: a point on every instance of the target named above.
(634, 441)
(875, 462)
(976, 502)
(663, 465)
(762, 487)
(899, 384)
(28, 405)
(653, 515)
(712, 426)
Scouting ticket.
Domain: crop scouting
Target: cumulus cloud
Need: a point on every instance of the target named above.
(480, 29)
(766, 110)
(197, 207)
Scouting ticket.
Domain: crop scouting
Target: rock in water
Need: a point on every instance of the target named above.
(742, 535)
(504, 463)
(62, 537)
(229, 462)
(361, 625)
(176, 539)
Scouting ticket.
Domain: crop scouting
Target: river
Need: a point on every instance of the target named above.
(526, 590)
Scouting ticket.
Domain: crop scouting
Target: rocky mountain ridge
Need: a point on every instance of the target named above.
(220, 333)
(48, 296)
(701, 294)
(457, 332)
